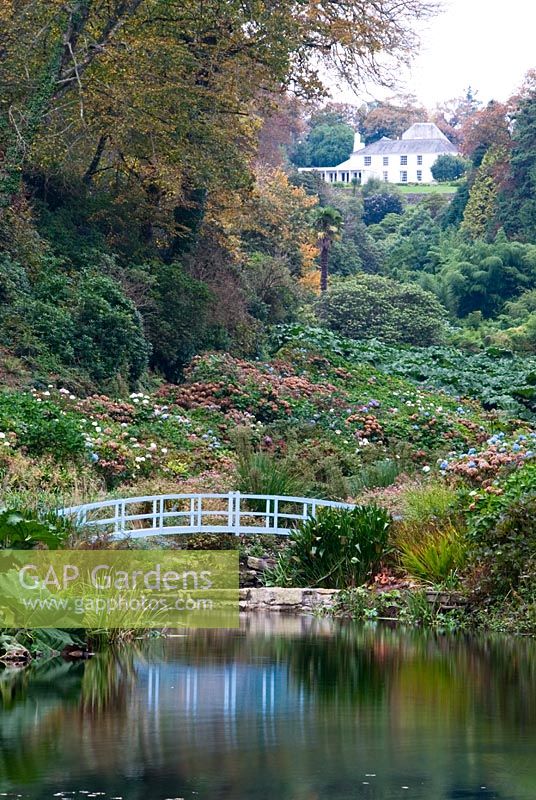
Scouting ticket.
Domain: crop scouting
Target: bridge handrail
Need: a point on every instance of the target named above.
(237, 516)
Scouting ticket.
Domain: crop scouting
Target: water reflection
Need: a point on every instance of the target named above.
(286, 708)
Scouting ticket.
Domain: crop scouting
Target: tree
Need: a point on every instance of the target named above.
(179, 321)
(343, 112)
(377, 205)
(454, 212)
(355, 250)
(136, 121)
(283, 125)
(392, 118)
(327, 222)
(449, 168)
(480, 212)
(451, 116)
(517, 203)
(151, 88)
(275, 219)
(330, 145)
(489, 127)
(408, 249)
(374, 307)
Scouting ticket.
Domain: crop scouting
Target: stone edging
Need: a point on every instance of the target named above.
(308, 601)
(293, 601)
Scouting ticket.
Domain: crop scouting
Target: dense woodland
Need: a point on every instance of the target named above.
(166, 273)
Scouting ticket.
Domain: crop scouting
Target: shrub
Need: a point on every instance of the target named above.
(503, 534)
(109, 338)
(436, 557)
(83, 322)
(338, 549)
(374, 307)
(24, 529)
(40, 427)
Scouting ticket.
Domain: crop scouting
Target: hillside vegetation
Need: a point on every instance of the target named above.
(181, 309)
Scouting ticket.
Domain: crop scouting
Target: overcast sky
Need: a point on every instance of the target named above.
(487, 44)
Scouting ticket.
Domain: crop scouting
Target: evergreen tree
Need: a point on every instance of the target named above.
(518, 200)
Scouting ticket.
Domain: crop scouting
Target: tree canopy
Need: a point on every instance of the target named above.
(449, 168)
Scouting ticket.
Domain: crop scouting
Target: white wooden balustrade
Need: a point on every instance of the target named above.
(234, 513)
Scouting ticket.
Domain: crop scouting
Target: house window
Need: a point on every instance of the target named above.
(419, 161)
(419, 175)
(404, 161)
(386, 177)
(386, 161)
(368, 161)
(403, 177)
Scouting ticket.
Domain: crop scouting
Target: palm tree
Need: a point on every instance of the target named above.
(328, 223)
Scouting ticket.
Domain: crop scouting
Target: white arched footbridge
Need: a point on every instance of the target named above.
(232, 513)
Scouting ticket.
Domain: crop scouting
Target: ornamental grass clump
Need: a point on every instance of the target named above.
(339, 549)
(432, 502)
(437, 556)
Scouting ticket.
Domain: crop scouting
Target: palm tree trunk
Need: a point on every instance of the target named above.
(324, 261)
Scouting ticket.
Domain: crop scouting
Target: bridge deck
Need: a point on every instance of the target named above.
(232, 513)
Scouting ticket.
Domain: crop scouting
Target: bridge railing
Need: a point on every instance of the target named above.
(232, 513)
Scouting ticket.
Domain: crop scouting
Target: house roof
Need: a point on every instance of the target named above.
(407, 146)
(424, 130)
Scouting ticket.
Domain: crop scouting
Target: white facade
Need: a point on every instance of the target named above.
(406, 160)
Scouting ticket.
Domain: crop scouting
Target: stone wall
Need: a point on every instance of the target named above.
(310, 601)
(290, 601)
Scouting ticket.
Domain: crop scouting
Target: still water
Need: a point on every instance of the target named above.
(284, 709)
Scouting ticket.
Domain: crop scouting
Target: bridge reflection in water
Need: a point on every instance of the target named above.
(222, 698)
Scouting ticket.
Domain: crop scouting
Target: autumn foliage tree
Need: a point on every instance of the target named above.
(489, 127)
(128, 137)
(161, 90)
(391, 118)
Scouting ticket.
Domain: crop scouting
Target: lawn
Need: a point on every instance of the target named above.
(410, 188)
(419, 188)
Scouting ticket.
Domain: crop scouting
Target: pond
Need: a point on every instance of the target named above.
(287, 708)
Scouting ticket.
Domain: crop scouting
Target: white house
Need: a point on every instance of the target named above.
(406, 160)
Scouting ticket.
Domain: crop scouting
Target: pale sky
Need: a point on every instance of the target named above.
(486, 44)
